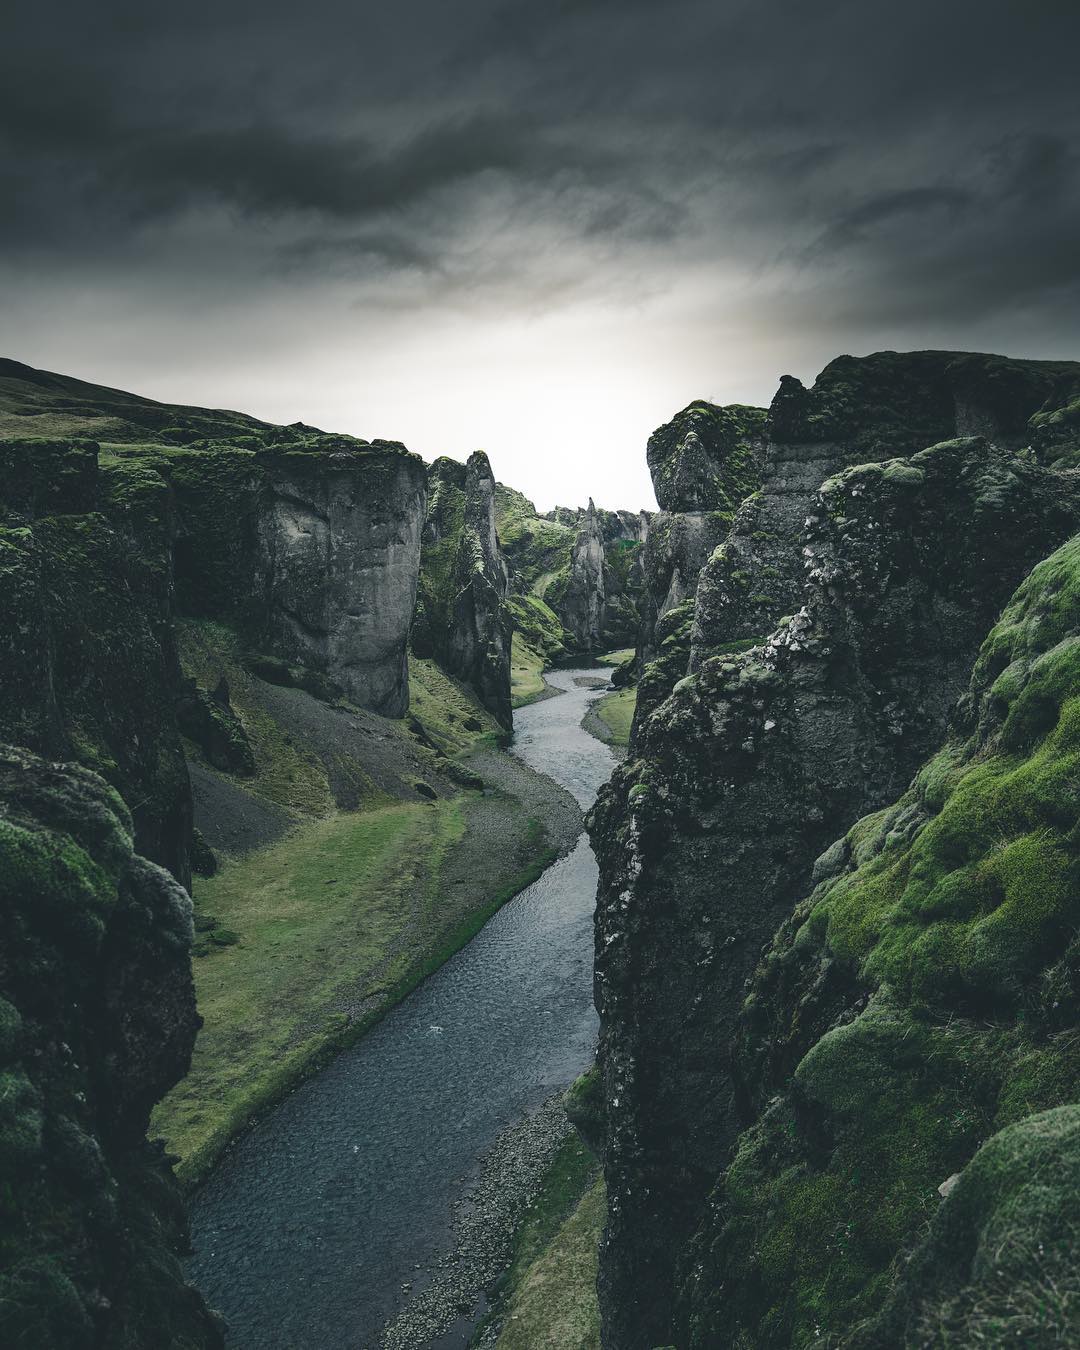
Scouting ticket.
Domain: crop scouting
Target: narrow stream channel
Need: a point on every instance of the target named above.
(308, 1229)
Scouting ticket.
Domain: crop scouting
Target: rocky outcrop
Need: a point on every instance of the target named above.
(598, 600)
(208, 719)
(703, 463)
(706, 836)
(859, 410)
(307, 543)
(584, 600)
(575, 574)
(707, 458)
(462, 618)
(97, 1021)
(311, 548)
(923, 997)
(86, 638)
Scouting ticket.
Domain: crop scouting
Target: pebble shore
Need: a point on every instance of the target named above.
(485, 1219)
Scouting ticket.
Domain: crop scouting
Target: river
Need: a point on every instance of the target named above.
(313, 1221)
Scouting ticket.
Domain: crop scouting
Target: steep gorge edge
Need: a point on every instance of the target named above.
(770, 1152)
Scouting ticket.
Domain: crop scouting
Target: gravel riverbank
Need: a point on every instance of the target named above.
(484, 1221)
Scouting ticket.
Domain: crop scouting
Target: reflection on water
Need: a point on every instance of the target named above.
(313, 1221)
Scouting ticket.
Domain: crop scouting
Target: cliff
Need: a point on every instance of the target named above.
(739, 779)
(924, 997)
(304, 549)
(858, 411)
(87, 645)
(583, 565)
(307, 542)
(97, 1021)
(704, 463)
(462, 618)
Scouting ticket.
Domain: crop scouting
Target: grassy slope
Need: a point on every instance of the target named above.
(322, 917)
(616, 658)
(555, 1304)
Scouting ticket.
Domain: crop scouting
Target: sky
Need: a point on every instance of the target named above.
(533, 227)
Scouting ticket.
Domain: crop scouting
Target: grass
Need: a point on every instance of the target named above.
(336, 922)
(548, 1296)
(322, 917)
(616, 658)
(526, 673)
(451, 717)
(616, 711)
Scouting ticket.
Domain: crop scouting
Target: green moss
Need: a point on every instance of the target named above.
(527, 682)
(448, 713)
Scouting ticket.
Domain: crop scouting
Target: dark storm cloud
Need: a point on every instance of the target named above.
(876, 157)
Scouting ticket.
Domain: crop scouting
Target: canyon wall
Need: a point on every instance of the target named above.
(742, 775)
(575, 574)
(97, 1022)
(703, 463)
(462, 618)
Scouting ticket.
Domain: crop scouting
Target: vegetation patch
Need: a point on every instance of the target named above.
(548, 1296)
(615, 713)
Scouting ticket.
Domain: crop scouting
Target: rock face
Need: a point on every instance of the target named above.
(97, 1021)
(703, 463)
(923, 997)
(311, 548)
(462, 617)
(86, 638)
(575, 575)
(738, 781)
(308, 543)
(307, 547)
(859, 410)
(707, 458)
(584, 600)
(597, 598)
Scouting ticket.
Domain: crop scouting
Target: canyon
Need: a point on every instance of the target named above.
(838, 885)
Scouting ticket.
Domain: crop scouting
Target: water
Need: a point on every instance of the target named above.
(308, 1228)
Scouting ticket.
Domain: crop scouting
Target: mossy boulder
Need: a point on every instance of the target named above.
(708, 457)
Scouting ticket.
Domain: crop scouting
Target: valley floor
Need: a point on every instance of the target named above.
(333, 914)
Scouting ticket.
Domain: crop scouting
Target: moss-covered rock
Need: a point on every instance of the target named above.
(97, 1021)
(207, 718)
(306, 541)
(708, 457)
(926, 994)
(462, 618)
(735, 783)
(86, 641)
